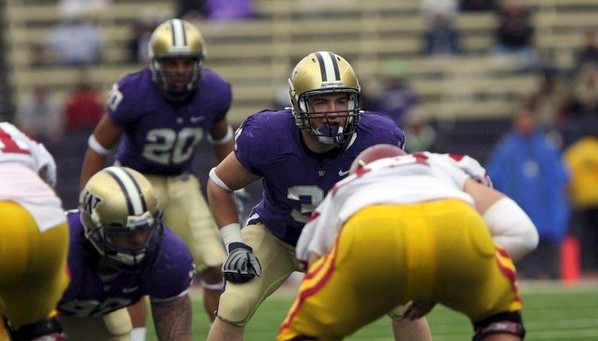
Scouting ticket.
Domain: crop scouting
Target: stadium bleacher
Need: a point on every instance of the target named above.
(254, 55)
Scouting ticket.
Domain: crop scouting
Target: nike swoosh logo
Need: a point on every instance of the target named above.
(128, 290)
(342, 172)
(195, 119)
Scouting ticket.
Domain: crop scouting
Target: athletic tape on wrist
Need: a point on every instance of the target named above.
(231, 233)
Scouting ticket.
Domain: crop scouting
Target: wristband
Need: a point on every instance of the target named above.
(227, 137)
(231, 233)
(93, 143)
(214, 177)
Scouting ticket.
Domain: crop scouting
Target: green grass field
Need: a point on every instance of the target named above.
(551, 312)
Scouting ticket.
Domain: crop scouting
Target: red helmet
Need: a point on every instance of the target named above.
(373, 153)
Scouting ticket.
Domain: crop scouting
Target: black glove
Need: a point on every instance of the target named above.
(240, 265)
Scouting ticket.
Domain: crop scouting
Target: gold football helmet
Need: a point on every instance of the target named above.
(121, 216)
(176, 38)
(321, 73)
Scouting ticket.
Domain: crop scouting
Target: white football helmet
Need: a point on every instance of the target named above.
(121, 216)
(321, 73)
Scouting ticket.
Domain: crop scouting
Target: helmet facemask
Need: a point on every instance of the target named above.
(167, 79)
(121, 217)
(171, 41)
(130, 246)
(331, 132)
(322, 74)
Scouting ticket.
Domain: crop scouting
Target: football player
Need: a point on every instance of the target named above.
(160, 114)
(298, 153)
(409, 228)
(33, 239)
(120, 251)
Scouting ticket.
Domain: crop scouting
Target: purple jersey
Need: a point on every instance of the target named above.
(296, 180)
(92, 294)
(160, 136)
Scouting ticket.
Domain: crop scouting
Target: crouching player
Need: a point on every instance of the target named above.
(408, 228)
(33, 239)
(120, 252)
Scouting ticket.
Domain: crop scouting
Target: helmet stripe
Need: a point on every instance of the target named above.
(178, 33)
(328, 66)
(130, 188)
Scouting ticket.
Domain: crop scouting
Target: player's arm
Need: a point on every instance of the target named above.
(318, 234)
(228, 176)
(240, 264)
(172, 318)
(221, 137)
(510, 226)
(99, 145)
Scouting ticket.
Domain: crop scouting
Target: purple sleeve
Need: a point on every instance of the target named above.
(215, 95)
(269, 134)
(173, 271)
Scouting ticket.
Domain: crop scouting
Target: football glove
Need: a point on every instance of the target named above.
(240, 264)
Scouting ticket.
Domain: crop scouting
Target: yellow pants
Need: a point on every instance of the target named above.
(387, 255)
(239, 302)
(115, 326)
(187, 214)
(33, 266)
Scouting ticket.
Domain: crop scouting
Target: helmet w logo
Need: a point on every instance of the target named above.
(90, 202)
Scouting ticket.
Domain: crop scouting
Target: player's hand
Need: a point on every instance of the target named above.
(240, 265)
(418, 309)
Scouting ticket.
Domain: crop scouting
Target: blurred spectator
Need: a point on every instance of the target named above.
(83, 108)
(396, 97)
(82, 8)
(527, 166)
(138, 45)
(441, 37)
(191, 10)
(281, 97)
(432, 8)
(582, 159)
(281, 93)
(226, 10)
(588, 54)
(421, 135)
(477, 6)
(41, 116)
(515, 34)
(75, 40)
(549, 98)
(581, 109)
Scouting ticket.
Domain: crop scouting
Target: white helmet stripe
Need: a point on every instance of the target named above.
(135, 201)
(179, 38)
(328, 66)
